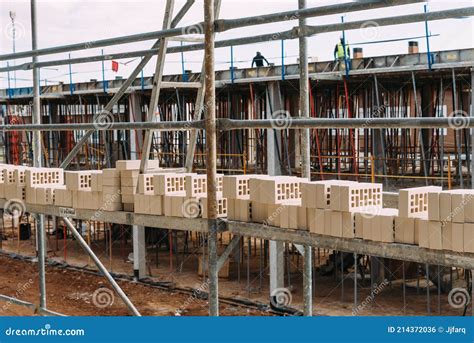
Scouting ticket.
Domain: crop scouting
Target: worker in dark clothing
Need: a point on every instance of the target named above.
(258, 60)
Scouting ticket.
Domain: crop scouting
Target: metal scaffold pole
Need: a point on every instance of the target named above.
(37, 158)
(101, 267)
(211, 154)
(305, 156)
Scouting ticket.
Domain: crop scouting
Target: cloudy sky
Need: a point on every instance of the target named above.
(73, 21)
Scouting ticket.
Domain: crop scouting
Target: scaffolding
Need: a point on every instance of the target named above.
(345, 139)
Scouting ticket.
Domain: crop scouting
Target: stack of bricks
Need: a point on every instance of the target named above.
(413, 205)
(129, 171)
(236, 190)
(111, 193)
(146, 201)
(79, 184)
(42, 184)
(276, 201)
(172, 189)
(196, 192)
(14, 182)
(450, 224)
(337, 208)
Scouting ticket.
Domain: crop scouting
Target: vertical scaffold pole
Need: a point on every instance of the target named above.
(305, 157)
(211, 153)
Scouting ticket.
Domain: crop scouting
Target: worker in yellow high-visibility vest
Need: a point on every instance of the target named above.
(339, 52)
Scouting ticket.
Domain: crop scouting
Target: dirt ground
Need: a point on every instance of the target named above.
(72, 292)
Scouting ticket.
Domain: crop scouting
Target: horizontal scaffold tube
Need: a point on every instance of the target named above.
(222, 25)
(455, 122)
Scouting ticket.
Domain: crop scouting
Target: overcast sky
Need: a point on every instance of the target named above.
(71, 21)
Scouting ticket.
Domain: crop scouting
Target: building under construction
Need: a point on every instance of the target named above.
(331, 187)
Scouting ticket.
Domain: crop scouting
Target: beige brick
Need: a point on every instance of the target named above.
(156, 204)
(383, 225)
(468, 238)
(127, 199)
(336, 223)
(127, 164)
(96, 182)
(221, 207)
(129, 174)
(129, 207)
(435, 235)
(30, 195)
(170, 184)
(114, 206)
(111, 173)
(145, 184)
(348, 224)
(433, 206)
(43, 176)
(63, 198)
(469, 208)
(129, 182)
(354, 196)
(457, 236)
(367, 223)
(110, 182)
(279, 189)
(302, 218)
(412, 201)
(445, 207)
(196, 186)
(237, 186)
(316, 220)
(423, 232)
(289, 217)
(13, 191)
(244, 209)
(2, 190)
(259, 212)
(113, 196)
(404, 230)
(457, 208)
(232, 210)
(327, 222)
(128, 190)
(273, 215)
(79, 180)
(358, 225)
(447, 235)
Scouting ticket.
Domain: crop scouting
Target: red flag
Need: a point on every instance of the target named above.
(115, 66)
